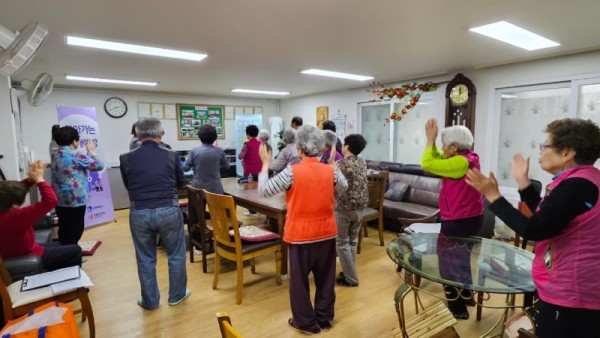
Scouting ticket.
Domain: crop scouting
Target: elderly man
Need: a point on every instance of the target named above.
(289, 154)
(152, 174)
(310, 229)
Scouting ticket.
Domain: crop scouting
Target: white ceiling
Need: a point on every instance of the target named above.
(263, 44)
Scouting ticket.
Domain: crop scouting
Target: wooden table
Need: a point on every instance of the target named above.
(246, 195)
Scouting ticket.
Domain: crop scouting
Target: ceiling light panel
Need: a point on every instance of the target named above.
(254, 91)
(100, 80)
(135, 49)
(339, 75)
(514, 35)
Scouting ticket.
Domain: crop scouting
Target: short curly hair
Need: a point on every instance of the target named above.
(356, 143)
(310, 140)
(252, 130)
(207, 134)
(12, 193)
(64, 136)
(581, 135)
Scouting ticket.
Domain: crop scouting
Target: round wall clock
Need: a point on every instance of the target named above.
(460, 102)
(115, 107)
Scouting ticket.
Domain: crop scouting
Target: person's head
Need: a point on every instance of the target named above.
(296, 122)
(330, 139)
(207, 134)
(133, 128)
(310, 141)
(355, 143)
(570, 142)
(289, 136)
(455, 139)
(263, 135)
(66, 136)
(12, 193)
(252, 131)
(329, 125)
(148, 128)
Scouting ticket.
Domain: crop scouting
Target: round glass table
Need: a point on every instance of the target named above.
(471, 263)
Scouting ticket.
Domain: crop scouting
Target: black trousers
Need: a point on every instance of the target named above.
(70, 224)
(555, 321)
(58, 256)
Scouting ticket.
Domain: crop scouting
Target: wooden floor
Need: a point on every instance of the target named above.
(364, 311)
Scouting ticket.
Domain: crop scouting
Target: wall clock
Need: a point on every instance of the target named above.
(115, 107)
(460, 102)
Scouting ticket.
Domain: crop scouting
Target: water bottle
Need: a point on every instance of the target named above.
(250, 178)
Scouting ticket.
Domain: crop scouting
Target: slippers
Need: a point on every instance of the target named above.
(312, 332)
(188, 292)
(461, 315)
(140, 302)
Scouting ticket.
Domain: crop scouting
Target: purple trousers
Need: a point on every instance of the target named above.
(318, 258)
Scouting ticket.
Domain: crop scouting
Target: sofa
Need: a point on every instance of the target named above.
(412, 196)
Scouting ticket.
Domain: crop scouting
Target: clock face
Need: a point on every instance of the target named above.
(459, 94)
(115, 107)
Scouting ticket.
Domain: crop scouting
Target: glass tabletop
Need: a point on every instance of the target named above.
(472, 263)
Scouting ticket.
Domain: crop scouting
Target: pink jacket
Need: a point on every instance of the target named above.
(457, 199)
(566, 268)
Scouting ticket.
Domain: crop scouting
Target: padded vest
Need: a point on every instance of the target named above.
(252, 163)
(310, 203)
(566, 268)
(457, 199)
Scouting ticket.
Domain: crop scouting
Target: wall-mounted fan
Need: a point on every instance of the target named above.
(38, 89)
(18, 48)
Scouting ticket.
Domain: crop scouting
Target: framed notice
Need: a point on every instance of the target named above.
(191, 116)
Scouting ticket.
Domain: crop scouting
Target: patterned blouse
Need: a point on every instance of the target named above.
(69, 175)
(356, 197)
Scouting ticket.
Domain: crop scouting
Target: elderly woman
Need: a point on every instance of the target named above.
(69, 169)
(264, 136)
(349, 207)
(461, 207)
(565, 226)
(330, 148)
(310, 228)
(289, 154)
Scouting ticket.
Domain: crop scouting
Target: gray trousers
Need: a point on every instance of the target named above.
(348, 223)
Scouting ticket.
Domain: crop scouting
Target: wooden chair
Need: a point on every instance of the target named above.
(227, 330)
(223, 213)
(16, 303)
(199, 228)
(374, 211)
(428, 323)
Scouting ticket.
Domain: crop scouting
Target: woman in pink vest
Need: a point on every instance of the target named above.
(249, 153)
(565, 227)
(310, 229)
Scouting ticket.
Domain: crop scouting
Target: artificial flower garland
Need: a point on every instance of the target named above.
(413, 90)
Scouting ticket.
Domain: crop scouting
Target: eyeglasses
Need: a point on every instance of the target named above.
(545, 146)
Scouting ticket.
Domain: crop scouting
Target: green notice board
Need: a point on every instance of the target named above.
(191, 116)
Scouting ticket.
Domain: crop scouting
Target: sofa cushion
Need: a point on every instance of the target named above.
(395, 210)
(396, 191)
(423, 189)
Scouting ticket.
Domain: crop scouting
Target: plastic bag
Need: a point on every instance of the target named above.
(50, 320)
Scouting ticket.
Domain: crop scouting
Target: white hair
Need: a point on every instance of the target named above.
(310, 140)
(459, 135)
(263, 135)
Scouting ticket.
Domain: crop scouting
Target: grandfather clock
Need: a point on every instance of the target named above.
(460, 102)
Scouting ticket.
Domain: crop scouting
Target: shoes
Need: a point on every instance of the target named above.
(197, 251)
(343, 282)
(461, 315)
(248, 213)
(140, 302)
(188, 292)
(325, 326)
(312, 332)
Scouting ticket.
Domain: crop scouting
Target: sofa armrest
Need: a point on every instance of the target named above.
(19, 267)
(433, 218)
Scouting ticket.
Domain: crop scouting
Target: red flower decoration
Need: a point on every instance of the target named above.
(414, 90)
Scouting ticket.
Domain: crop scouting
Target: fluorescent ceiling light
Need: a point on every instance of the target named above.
(94, 79)
(136, 49)
(336, 74)
(253, 91)
(514, 35)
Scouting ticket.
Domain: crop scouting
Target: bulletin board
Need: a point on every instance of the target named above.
(190, 117)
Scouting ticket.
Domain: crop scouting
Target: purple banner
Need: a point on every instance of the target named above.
(100, 209)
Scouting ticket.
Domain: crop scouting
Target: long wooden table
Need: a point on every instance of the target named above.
(246, 195)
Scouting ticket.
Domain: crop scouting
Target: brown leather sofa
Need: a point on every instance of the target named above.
(411, 197)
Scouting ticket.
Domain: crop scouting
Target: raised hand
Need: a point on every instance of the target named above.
(35, 173)
(91, 147)
(431, 131)
(488, 186)
(264, 153)
(520, 170)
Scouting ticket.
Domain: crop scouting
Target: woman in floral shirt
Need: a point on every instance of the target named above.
(70, 182)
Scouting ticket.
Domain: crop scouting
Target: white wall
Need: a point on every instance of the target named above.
(115, 133)
(8, 142)
(485, 80)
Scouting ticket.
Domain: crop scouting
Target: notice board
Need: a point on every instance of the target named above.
(190, 117)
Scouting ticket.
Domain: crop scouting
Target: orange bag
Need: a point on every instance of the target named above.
(35, 323)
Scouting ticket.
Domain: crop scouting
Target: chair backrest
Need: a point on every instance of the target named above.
(376, 183)
(222, 216)
(524, 209)
(196, 202)
(5, 281)
(227, 331)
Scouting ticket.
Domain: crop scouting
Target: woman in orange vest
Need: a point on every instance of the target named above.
(310, 229)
